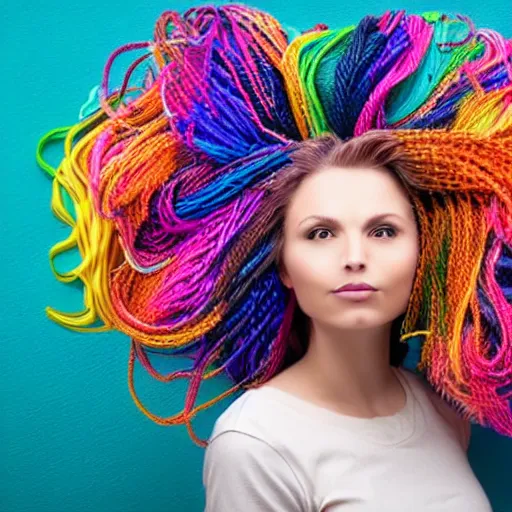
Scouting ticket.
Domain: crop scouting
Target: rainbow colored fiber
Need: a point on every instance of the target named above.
(168, 180)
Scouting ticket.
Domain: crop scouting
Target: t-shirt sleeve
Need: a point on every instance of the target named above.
(242, 472)
(460, 425)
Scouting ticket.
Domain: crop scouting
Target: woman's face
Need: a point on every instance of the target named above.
(319, 255)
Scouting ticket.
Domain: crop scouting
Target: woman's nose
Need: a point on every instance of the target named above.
(355, 265)
(354, 254)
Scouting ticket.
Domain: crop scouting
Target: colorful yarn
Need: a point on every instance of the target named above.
(168, 180)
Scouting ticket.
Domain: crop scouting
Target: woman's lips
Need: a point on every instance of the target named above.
(356, 295)
(355, 287)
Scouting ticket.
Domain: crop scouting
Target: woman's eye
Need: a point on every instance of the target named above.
(391, 232)
(311, 235)
(388, 229)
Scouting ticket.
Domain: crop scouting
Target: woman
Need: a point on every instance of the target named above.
(343, 428)
(189, 198)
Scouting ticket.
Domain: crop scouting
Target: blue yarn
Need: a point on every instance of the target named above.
(252, 263)
(227, 130)
(231, 183)
(359, 53)
(264, 314)
(444, 112)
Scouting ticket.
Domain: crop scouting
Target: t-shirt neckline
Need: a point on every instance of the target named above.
(390, 429)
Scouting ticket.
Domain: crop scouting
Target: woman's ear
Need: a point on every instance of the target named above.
(278, 259)
(283, 275)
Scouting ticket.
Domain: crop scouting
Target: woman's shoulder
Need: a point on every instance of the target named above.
(442, 407)
(245, 468)
(231, 418)
(246, 415)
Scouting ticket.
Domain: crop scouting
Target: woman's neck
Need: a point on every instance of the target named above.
(348, 372)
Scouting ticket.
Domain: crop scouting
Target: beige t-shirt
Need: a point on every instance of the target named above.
(271, 451)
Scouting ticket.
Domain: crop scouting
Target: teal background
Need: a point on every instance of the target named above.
(72, 438)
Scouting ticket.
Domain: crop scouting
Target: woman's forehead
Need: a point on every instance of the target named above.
(351, 192)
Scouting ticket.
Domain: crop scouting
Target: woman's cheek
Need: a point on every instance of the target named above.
(316, 266)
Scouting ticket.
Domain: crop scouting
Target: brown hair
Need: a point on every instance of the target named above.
(375, 149)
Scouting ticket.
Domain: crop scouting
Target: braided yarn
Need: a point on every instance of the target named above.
(164, 184)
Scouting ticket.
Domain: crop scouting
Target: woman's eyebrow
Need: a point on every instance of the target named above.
(332, 220)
